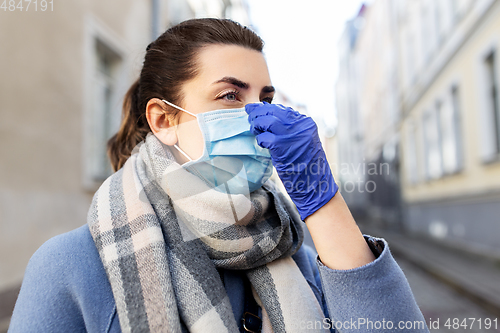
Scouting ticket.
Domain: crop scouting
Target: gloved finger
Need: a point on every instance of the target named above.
(259, 111)
(252, 106)
(256, 110)
(268, 123)
(266, 140)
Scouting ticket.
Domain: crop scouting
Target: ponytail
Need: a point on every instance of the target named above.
(133, 129)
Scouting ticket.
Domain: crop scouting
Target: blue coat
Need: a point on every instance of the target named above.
(65, 289)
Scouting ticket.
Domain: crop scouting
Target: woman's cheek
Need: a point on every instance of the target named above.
(190, 138)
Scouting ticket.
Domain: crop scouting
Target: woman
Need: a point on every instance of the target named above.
(190, 234)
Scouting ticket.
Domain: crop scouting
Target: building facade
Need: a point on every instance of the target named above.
(427, 94)
(349, 133)
(451, 122)
(367, 106)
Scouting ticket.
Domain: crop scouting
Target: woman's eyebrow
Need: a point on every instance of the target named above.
(234, 81)
(268, 89)
(243, 85)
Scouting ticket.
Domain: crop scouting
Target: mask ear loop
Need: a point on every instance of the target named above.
(183, 153)
(178, 107)
(181, 109)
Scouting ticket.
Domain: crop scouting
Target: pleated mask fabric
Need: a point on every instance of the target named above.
(232, 161)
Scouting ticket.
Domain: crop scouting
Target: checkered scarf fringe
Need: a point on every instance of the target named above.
(161, 239)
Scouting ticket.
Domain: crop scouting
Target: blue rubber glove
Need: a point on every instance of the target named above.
(296, 151)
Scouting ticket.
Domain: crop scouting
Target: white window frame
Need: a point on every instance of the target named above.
(95, 30)
(459, 128)
(444, 101)
(486, 126)
(411, 152)
(432, 144)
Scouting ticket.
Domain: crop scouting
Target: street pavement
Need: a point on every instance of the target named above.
(456, 291)
(4, 325)
(440, 303)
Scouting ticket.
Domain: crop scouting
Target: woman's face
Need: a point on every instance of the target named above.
(229, 77)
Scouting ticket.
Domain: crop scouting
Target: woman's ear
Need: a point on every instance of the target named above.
(161, 123)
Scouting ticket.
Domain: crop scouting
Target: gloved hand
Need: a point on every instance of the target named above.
(296, 152)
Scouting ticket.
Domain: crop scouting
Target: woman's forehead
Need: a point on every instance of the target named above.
(216, 62)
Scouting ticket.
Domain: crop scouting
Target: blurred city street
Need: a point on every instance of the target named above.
(438, 301)
(447, 283)
(419, 131)
(410, 125)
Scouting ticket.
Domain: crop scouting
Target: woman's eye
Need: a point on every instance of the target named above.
(231, 96)
(267, 99)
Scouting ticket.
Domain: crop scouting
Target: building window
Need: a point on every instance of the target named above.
(442, 137)
(409, 58)
(492, 95)
(437, 22)
(455, 11)
(411, 154)
(449, 120)
(457, 127)
(432, 145)
(103, 108)
(425, 33)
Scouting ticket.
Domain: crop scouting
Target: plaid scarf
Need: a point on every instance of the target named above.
(161, 232)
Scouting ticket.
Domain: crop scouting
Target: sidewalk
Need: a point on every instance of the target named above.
(7, 302)
(473, 276)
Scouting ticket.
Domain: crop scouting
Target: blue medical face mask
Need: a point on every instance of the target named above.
(232, 161)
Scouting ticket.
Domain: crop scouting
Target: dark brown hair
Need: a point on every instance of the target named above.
(169, 62)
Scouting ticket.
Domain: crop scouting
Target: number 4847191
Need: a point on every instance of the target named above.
(470, 323)
(25, 5)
